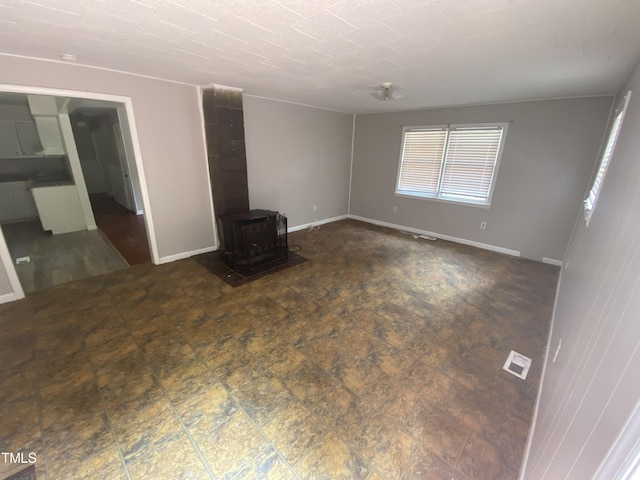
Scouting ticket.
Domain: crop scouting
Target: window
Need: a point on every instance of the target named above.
(455, 163)
(592, 197)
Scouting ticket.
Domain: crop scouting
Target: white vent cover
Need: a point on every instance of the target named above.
(517, 364)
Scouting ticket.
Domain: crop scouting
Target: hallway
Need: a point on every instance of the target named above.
(124, 229)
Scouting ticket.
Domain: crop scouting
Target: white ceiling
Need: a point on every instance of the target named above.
(331, 53)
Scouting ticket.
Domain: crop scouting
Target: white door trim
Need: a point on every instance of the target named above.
(18, 292)
(122, 175)
(128, 103)
(130, 162)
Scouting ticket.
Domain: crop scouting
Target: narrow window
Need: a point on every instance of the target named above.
(592, 197)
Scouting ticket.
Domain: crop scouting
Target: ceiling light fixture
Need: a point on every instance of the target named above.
(386, 91)
(69, 57)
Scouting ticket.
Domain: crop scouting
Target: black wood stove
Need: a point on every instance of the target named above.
(254, 240)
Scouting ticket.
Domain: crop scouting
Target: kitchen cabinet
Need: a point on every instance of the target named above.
(16, 202)
(59, 208)
(28, 138)
(9, 146)
(19, 139)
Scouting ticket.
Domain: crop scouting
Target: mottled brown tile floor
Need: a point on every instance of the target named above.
(379, 358)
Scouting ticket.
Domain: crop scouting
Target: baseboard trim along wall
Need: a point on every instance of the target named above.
(9, 297)
(319, 222)
(552, 261)
(536, 408)
(484, 246)
(183, 255)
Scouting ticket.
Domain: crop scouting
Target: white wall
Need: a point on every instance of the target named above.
(592, 388)
(297, 157)
(169, 126)
(549, 152)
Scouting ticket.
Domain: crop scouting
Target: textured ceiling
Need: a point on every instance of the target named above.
(331, 53)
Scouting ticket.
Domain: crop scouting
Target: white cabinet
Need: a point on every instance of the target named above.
(16, 202)
(59, 208)
(50, 134)
(28, 138)
(9, 146)
(19, 139)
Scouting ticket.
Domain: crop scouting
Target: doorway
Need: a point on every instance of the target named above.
(130, 200)
(104, 149)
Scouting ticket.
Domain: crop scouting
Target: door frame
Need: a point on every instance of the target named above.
(129, 159)
(124, 167)
(137, 154)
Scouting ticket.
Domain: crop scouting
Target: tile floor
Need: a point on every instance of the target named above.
(61, 258)
(379, 358)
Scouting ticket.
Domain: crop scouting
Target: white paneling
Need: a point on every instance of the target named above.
(591, 389)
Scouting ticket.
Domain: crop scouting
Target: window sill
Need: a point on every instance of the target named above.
(467, 203)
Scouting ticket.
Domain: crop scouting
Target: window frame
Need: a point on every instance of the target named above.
(448, 128)
(608, 145)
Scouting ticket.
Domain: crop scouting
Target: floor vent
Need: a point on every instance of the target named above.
(517, 364)
(28, 473)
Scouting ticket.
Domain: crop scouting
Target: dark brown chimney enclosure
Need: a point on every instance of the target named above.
(249, 239)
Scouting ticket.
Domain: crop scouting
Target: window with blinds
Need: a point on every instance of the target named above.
(455, 163)
(592, 197)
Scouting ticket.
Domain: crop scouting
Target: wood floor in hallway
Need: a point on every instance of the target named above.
(124, 229)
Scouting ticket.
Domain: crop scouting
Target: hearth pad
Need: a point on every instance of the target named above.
(214, 262)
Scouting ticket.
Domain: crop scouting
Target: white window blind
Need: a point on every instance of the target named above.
(422, 156)
(470, 163)
(455, 163)
(592, 197)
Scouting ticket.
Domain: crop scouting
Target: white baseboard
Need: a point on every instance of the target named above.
(552, 261)
(319, 222)
(536, 408)
(10, 297)
(464, 241)
(183, 255)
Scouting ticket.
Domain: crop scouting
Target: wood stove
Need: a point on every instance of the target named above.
(250, 240)
(254, 240)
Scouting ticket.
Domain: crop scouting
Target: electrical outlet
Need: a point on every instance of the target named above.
(483, 225)
(395, 209)
(315, 208)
